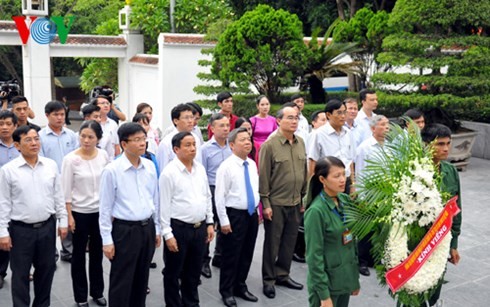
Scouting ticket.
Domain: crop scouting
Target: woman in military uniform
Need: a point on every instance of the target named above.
(331, 254)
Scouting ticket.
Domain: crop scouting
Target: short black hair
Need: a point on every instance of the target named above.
(434, 131)
(332, 105)
(177, 139)
(128, 129)
(413, 113)
(18, 99)
(296, 96)
(223, 95)
(140, 116)
(20, 131)
(215, 117)
(196, 108)
(8, 114)
(54, 106)
(363, 93)
(95, 126)
(182, 107)
(89, 109)
(314, 115)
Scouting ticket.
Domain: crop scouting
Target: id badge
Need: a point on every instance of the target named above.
(346, 237)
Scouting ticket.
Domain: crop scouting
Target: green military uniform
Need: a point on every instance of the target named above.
(450, 184)
(332, 266)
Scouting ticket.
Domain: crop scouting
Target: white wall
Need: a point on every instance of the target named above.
(143, 88)
(178, 65)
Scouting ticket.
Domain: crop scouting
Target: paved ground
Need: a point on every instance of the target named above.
(469, 282)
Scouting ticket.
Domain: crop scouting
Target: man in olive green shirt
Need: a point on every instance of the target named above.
(439, 136)
(282, 185)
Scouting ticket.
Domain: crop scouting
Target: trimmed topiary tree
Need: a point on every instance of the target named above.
(445, 49)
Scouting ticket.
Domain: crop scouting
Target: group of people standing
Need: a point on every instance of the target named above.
(118, 190)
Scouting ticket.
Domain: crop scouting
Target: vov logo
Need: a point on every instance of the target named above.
(43, 30)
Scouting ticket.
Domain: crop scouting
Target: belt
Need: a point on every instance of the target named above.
(133, 223)
(184, 224)
(33, 225)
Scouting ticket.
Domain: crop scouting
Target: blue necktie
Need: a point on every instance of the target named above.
(250, 192)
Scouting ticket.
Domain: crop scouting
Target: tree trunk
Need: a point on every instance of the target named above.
(9, 66)
(353, 8)
(340, 9)
(316, 90)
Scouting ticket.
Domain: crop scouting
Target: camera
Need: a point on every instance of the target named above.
(102, 90)
(9, 89)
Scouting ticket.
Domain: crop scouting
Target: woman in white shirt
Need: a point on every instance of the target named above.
(80, 174)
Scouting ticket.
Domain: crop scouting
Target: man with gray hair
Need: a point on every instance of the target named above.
(380, 126)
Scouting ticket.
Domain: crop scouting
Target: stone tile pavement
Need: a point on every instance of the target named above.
(469, 282)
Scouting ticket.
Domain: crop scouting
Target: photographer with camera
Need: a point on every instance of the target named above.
(8, 91)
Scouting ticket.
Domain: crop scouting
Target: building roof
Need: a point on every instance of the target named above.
(147, 59)
(82, 39)
(7, 25)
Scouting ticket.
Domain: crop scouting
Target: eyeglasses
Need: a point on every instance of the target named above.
(137, 140)
(31, 140)
(340, 113)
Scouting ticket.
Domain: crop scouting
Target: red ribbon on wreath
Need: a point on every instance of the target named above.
(402, 273)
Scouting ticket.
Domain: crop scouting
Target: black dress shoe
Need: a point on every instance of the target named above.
(298, 258)
(363, 270)
(291, 284)
(153, 265)
(206, 270)
(229, 301)
(100, 301)
(82, 304)
(246, 295)
(2, 280)
(269, 291)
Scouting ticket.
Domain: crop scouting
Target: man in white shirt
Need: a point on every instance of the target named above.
(31, 199)
(380, 125)
(303, 126)
(237, 196)
(110, 140)
(369, 101)
(333, 139)
(183, 120)
(129, 218)
(187, 221)
(8, 152)
(352, 111)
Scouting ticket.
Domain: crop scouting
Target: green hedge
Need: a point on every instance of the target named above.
(244, 105)
(391, 105)
(468, 108)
